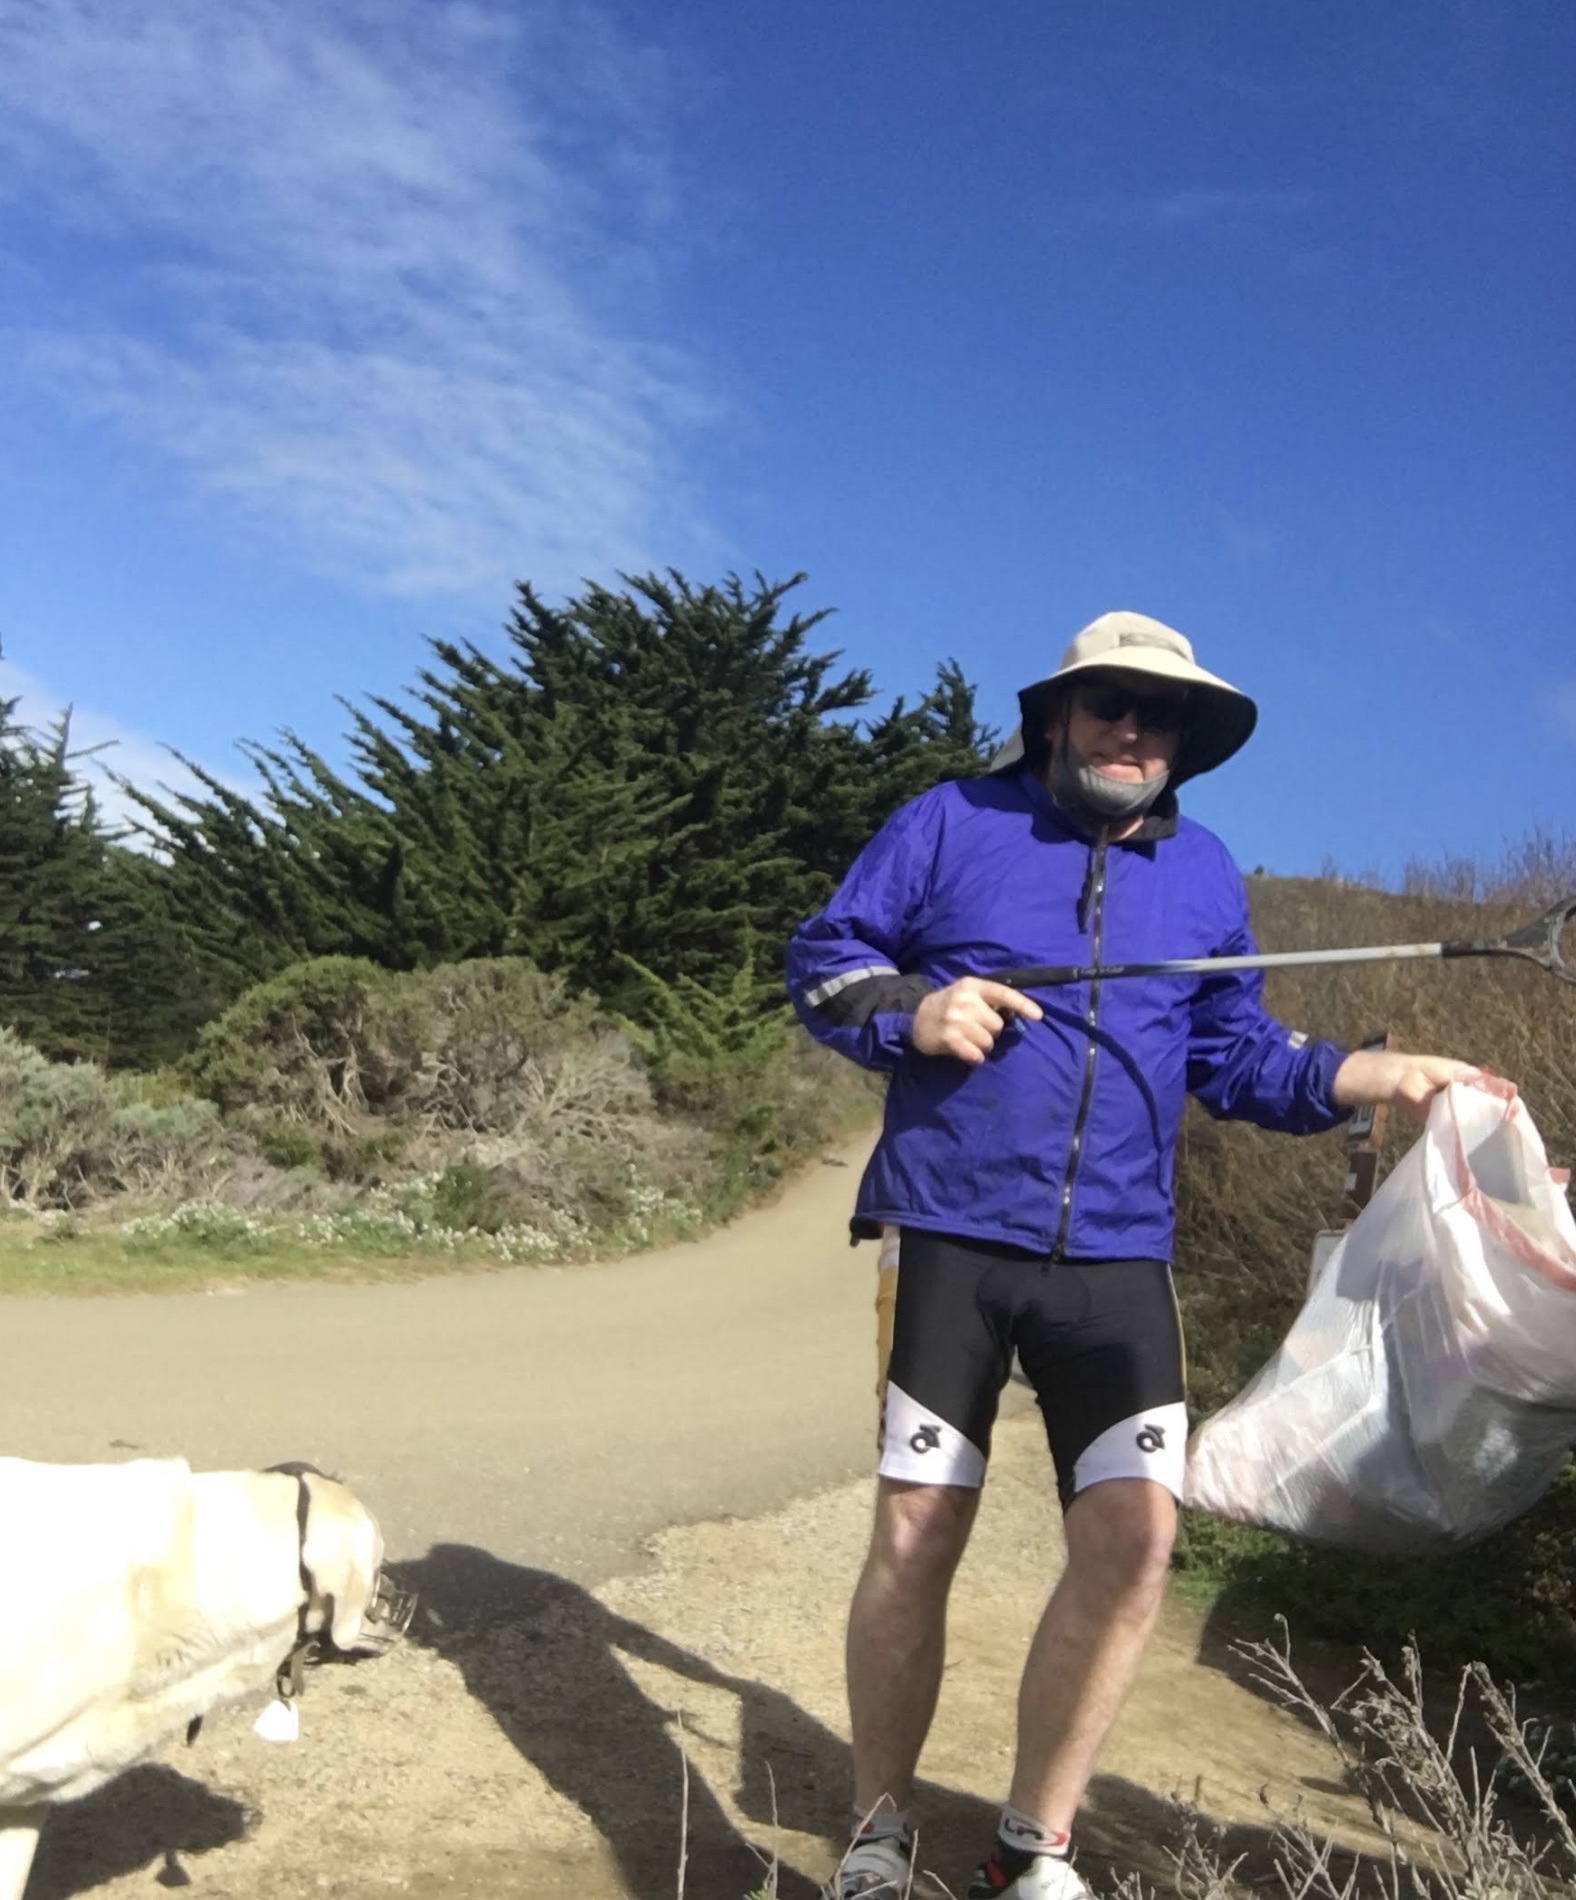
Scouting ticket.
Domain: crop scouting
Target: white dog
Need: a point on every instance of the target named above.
(134, 1598)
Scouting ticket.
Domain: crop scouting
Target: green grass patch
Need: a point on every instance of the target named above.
(74, 1260)
(1510, 1600)
(407, 1234)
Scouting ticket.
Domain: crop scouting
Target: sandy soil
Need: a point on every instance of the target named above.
(532, 1739)
(630, 1499)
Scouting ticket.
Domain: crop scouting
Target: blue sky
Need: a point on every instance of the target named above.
(319, 327)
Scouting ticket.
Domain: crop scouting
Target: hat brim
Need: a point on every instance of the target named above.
(1220, 719)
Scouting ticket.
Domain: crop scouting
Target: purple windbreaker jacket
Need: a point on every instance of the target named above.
(1063, 1140)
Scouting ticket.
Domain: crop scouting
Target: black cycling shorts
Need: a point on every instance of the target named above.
(1100, 1342)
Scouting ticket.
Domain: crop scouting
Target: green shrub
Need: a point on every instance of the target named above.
(478, 1048)
(735, 1061)
(1509, 1601)
(287, 1145)
(323, 1044)
(466, 1197)
(71, 1135)
(507, 1043)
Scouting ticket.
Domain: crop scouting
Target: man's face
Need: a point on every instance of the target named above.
(1127, 725)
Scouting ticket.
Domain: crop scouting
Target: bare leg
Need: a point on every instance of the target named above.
(897, 1632)
(1086, 1652)
(18, 1837)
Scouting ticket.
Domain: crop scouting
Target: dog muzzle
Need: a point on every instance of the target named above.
(387, 1619)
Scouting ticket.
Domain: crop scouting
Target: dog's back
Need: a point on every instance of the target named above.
(136, 1597)
(86, 1548)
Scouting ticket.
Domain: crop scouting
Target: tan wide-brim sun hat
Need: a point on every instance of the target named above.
(1220, 719)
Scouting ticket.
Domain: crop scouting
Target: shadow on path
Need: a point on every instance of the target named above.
(543, 1655)
(150, 1814)
(1123, 1829)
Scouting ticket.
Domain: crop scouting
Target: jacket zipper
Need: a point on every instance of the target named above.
(1092, 1021)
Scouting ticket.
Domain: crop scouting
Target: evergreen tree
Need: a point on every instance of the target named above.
(658, 774)
(92, 962)
(51, 853)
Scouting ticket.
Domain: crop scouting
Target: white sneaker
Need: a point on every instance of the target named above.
(1010, 1874)
(881, 1869)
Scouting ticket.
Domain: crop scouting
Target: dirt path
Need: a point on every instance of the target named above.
(555, 1417)
(625, 1496)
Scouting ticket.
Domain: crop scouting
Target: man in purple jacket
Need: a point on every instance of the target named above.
(1023, 1181)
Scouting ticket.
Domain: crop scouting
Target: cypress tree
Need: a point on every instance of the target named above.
(660, 774)
(92, 964)
(51, 852)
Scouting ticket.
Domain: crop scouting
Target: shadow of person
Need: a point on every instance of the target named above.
(1239, 1627)
(1125, 1829)
(797, 1774)
(543, 1655)
(148, 1814)
(545, 1658)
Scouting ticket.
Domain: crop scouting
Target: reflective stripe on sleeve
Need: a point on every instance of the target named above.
(824, 992)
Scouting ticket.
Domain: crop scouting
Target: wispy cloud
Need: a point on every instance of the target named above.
(1199, 205)
(379, 277)
(1200, 213)
(105, 749)
(1248, 543)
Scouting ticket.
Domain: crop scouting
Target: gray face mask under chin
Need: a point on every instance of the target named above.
(1086, 792)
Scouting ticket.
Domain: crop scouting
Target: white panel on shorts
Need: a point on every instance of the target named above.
(1150, 1444)
(919, 1448)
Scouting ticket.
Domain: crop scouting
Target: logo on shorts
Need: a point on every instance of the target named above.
(1152, 1438)
(927, 1438)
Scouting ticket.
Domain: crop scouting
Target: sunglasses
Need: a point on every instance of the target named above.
(1154, 712)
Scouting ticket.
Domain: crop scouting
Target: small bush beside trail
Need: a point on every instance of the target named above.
(70, 1134)
(323, 1045)
(734, 1060)
(482, 1109)
(1471, 1800)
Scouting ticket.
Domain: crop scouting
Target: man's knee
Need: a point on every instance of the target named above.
(1119, 1538)
(922, 1529)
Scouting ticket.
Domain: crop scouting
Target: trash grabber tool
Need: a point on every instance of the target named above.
(1537, 943)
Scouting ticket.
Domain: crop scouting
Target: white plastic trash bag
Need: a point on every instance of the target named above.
(1426, 1394)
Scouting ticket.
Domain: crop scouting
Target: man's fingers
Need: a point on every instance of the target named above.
(1002, 996)
(1392, 1075)
(965, 1018)
(1425, 1076)
(976, 1031)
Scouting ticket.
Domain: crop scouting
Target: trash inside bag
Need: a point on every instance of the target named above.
(1426, 1394)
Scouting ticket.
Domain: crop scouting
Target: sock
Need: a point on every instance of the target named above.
(885, 1824)
(1029, 1836)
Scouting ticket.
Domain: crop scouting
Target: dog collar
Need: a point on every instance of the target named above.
(287, 1684)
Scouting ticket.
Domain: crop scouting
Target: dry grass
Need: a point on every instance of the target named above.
(1469, 1802)
(1436, 1792)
